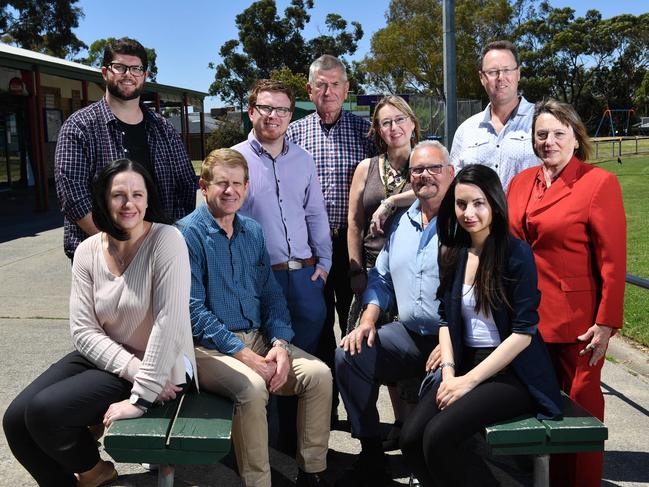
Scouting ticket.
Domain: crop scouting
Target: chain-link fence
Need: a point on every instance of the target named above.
(431, 111)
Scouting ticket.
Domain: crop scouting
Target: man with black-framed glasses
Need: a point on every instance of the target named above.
(115, 127)
(286, 199)
(501, 135)
(406, 273)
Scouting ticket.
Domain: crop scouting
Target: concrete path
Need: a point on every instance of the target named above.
(34, 291)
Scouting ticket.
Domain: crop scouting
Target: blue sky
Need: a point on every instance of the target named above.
(187, 35)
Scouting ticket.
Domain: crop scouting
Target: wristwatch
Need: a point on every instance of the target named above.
(140, 403)
(285, 346)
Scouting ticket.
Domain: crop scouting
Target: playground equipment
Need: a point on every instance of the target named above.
(608, 115)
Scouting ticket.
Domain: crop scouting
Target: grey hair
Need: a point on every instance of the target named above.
(433, 144)
(326, 62)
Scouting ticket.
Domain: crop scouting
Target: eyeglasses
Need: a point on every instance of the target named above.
(137, 70)
(387, 123)
(267, 110)
(432, 169)
(494, 73)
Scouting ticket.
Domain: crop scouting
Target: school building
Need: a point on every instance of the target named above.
(38, 92)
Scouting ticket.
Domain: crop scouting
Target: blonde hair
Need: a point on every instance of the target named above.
(401, 105)
(226, 158)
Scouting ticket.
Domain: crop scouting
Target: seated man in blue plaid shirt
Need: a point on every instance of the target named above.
(242, 328)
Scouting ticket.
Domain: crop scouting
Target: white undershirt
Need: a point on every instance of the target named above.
(480, 331)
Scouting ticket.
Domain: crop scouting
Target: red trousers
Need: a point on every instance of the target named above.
(582, 383)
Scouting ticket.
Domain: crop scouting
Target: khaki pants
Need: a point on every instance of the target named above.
(308, 378)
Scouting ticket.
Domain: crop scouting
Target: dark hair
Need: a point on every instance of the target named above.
(502, 45)
(101, 186)
(567, 115)
(272, 85)
(127, 46)
(489, 288)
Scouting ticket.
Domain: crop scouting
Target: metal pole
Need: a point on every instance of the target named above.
(450, 85)
(541, 470)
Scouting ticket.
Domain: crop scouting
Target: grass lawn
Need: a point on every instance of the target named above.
(633, 175)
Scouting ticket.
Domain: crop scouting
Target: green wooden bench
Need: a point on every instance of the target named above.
(192, 430)
(578, 431)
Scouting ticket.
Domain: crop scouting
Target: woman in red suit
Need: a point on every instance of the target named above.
(571, 213)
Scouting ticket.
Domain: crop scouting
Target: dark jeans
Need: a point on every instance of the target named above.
(397, 354)
(46, 424)
(306, 305)
(434, 442)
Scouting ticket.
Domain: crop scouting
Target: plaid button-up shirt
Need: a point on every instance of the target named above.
(91, 138)
(336, 153)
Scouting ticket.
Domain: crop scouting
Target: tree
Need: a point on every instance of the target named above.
(269, 43)
(586, 61)
(296, 81)
(96, 55)
(406, 55)
(227, 134)
(42, 26)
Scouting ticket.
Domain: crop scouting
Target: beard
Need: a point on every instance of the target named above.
(426, 190)
(113, 88)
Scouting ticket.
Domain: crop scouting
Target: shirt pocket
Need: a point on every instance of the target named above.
(580, 283)
(474, 152)
(521, 137)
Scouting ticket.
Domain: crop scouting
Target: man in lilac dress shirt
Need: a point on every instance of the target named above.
(286, 199)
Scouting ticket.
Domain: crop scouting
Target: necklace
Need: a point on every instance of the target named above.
(127, 256)
(393, 180)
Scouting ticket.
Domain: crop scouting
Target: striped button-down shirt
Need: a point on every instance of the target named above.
(91, 138)
(336, 153)
(233, 288)
(507, 152)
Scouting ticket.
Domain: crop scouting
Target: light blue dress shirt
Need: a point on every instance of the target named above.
(507, 152)
(407, 270)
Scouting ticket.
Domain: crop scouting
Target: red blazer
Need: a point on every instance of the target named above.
(578, 236)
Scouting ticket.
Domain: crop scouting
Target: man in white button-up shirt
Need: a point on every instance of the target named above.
(501, 135)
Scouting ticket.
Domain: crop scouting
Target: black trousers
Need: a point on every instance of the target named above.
(338, 298)
(46, 424)
(434, 443)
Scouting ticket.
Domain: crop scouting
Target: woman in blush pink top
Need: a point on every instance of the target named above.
(129, 320)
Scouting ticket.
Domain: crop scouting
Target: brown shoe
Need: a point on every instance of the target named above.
(102, 473)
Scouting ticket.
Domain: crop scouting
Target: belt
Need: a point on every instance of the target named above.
(295, 264)
(338, 232)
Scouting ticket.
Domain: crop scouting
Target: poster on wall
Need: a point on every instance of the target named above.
(53, 122)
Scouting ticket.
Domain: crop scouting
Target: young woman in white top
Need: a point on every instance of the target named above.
(494, 363)
(129, 320)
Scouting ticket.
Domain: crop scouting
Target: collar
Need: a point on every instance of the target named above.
(522, 108)
(414, 214)
(343, 114)
(109, 117)
(568, 174)
(213, 225)
(259, 149)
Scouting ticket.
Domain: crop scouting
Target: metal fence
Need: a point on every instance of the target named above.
(430, 113)
(637, 281)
